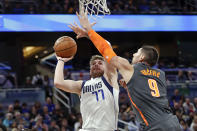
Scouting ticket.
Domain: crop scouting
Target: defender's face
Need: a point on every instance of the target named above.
(137, 57)
(97, 68)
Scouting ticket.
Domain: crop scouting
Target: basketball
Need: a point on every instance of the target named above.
(65, 47)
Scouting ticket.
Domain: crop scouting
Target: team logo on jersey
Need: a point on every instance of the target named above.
(92, 88)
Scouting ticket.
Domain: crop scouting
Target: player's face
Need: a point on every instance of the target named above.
(97, 68)
(138, 56)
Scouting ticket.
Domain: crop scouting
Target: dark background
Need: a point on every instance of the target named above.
(180, 45)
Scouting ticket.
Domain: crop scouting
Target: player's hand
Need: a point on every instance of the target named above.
(79, 31)
(122, 82)
(63, 59)
(83, 19)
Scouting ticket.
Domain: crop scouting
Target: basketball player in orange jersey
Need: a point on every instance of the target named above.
(98, 96)
(146, 86)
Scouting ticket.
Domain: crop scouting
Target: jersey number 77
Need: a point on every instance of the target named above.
(99, 92)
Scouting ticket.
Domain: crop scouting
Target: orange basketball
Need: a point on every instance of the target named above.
(65, 47)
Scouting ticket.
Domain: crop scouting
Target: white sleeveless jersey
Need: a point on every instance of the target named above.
(99, 105)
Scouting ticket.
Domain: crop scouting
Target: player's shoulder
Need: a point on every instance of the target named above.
(139, 65)
(93, 80)
(159, 70)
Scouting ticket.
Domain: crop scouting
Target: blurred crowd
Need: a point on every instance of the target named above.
(116, 6)
(54, 117)
(37, 117)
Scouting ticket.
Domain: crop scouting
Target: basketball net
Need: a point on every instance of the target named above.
(94, 8)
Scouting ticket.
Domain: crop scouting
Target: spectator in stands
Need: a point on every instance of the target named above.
(44, 8)
(17, 106)
(37, 79)
(50, 105)
(1, 112)
(65, 126)
(7, 81)
(164, 9)
(123, 117)
(11, 109)
(72, 119)
(53, 126)
(55, 6)
(177, 107)
(184, 126)
(33, 113)
(181, 76)
(190, 76)
(153, 8)
(176, 98)
(123, 98)
(188, 106)
(18, 9)
(2, 126)
(14, 126)
(20, 127)
(39, 126)
(26, 118)
(8, 120)
(28, 82)
(190, 118)
(195, 102)
(2, 80)
(7, 7)
(65, 8)
(47, 86)
(117, 9)
(143, 6)
(135, 124)
(78, 124)
(38, 107)
(193, 126)
(24, 108)
(179, 115)
(31, 10)
(46, 116)
(17, 117)
(58, 113)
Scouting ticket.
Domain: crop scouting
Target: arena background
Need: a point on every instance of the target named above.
(28, 98)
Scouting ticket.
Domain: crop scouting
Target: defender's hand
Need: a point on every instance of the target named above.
(83, 19)
(78, 31)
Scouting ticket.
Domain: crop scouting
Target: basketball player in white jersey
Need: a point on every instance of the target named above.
(98, 96)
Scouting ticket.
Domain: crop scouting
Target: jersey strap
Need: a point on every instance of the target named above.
(83, 83)
(107, 84)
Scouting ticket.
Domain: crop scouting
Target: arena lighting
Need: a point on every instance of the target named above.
(31, 50)
(58, 23)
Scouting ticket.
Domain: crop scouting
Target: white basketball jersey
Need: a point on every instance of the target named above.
(99, 105)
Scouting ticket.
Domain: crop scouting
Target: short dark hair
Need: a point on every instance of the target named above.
(151, 54)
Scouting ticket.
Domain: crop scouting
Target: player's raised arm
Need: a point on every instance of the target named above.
(66, 85)
(123, 65)
(80, 32)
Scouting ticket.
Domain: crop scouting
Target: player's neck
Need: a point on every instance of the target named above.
(96, 77)
(145, 63)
